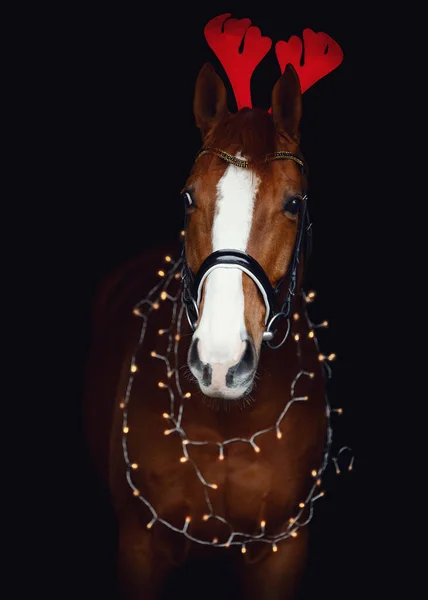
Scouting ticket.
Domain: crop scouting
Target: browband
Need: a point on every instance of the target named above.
(245, 164)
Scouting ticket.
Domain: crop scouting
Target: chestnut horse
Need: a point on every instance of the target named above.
(212, 431)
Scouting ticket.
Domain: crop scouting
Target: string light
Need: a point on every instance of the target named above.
(176, 413)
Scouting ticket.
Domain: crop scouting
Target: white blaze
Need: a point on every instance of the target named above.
(222, 328)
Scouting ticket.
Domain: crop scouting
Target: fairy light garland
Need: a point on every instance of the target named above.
(174, 418)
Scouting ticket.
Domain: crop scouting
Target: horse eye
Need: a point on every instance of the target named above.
(292, 205)
(188, 200)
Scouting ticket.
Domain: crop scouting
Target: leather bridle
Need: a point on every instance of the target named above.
(230, 258)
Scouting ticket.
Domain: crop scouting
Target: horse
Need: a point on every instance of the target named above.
(205, 400)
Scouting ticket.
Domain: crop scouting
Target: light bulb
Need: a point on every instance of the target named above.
(161, 273)
(134, 368)
(187, 395)
(153, 353)
(294, 533)
(163, 295)
(314, 473)
(177, 338)
(263, 524)
(160, 384)
(122, 405)
(214, 486)
(168, 259)
(125, 429)
(274, 547)
(165, 415)
(205, 517)
(155, 305)
(136, 312)
(134, 466)
(311, 334)
(183, 459)
(311, 295)
(278, 434)
(296, 316)
(331, 356)
(297, 336)
(301, 505)
(136, 492)
(243, 549)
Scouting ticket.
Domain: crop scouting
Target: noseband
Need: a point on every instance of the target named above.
(236, 259)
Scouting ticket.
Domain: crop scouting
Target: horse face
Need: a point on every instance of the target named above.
(248, 209)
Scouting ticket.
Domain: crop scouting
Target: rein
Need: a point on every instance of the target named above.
(232, 258)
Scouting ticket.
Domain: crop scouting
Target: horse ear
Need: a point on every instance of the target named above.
(287, 103)
(210, 100)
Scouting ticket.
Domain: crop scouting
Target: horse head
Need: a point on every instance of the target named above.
(246, 220)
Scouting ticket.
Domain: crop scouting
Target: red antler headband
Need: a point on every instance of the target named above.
(322, 54)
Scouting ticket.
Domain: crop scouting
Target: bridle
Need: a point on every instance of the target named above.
(230, 258)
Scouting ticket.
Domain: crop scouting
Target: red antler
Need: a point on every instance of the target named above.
(322, 55)
(225, 38)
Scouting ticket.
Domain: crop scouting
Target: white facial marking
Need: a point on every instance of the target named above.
(221, 330)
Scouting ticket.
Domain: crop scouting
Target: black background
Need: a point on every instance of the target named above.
(123, 109)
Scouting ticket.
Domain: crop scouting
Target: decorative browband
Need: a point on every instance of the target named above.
(245, 164)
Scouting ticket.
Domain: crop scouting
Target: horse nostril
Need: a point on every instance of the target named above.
(237, 374)
(202, 370)
(193, 357)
